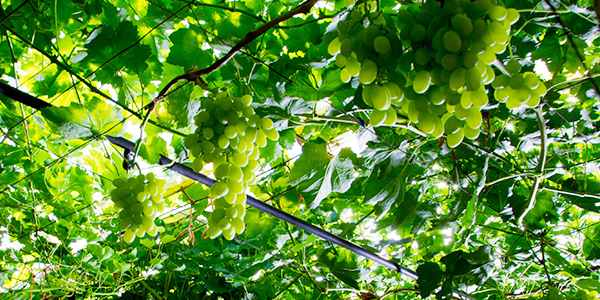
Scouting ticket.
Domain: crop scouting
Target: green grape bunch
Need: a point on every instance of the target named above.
(229, 135)
(365, 46)
(518, 89)
(440, 82)
(452, 56)
(139, 199)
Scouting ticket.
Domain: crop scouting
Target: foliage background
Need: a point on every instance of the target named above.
(404, 196)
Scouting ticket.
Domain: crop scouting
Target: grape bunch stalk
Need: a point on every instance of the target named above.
(139, 199)
(229, 135)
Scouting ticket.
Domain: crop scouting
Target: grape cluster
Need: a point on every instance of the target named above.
(518, 89)
(452, 55)
(440, 81)
(229, 135)
(363, 44)
(139, 199)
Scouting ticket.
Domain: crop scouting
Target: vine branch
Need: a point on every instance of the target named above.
(540, 166)
(251, 36)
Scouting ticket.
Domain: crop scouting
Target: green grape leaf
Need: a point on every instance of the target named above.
(387, 184)
(152, 149)
(589, 284)
(586, 189)
(115, 49)
(258, 223)
(77, 121)
(187, 49)
(317, 176)
(342, 263)
(430, 275)
(591, 244)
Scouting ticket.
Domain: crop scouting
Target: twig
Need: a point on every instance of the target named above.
(192, 76)
(14, 11)
(540, 166)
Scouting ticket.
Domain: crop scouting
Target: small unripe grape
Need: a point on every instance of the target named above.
(516, 81)
(405, 16)
(497, 13)
(352, 66)
(369, 35)
(473, 79)
(230, 132)
(422, 56)
(340, 61)
(422, 81)
(501, 81)
(531, 81)
(501, 95)
(390, 117)
(229, 234)
(272, 134)
(421, 103)
(394, 89)
(240, 159)
(381, 97)
(238, 225)
(436, 95)
(345, 75)
(462, 24)
(377, 117)
(449, 61)
(334, 46)
(261, 139)
(452, 125)
(470, 133)
(128, 236)
(454, 139)
(512, 15)
(219, 189)
(418, 33)
(513, 66)
(368, 72)
(457, 79)
(470, 59)
(346, 47)
(426, 122)
(474, 117)
(213, 231)
(382, 44)
(497, 32)
(221, 171)
(452, 41)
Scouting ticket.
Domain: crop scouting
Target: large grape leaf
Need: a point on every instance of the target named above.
(317, 176)
(77, 121)
(342, 263)
(586, 186)
(591, 244)
(430, 274)
(187, 49)
(116, 49)
(387, 184)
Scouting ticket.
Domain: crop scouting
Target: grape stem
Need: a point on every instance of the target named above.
(540, 166)
(303, 8)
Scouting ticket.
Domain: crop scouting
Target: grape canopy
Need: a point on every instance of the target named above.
(155, 149)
